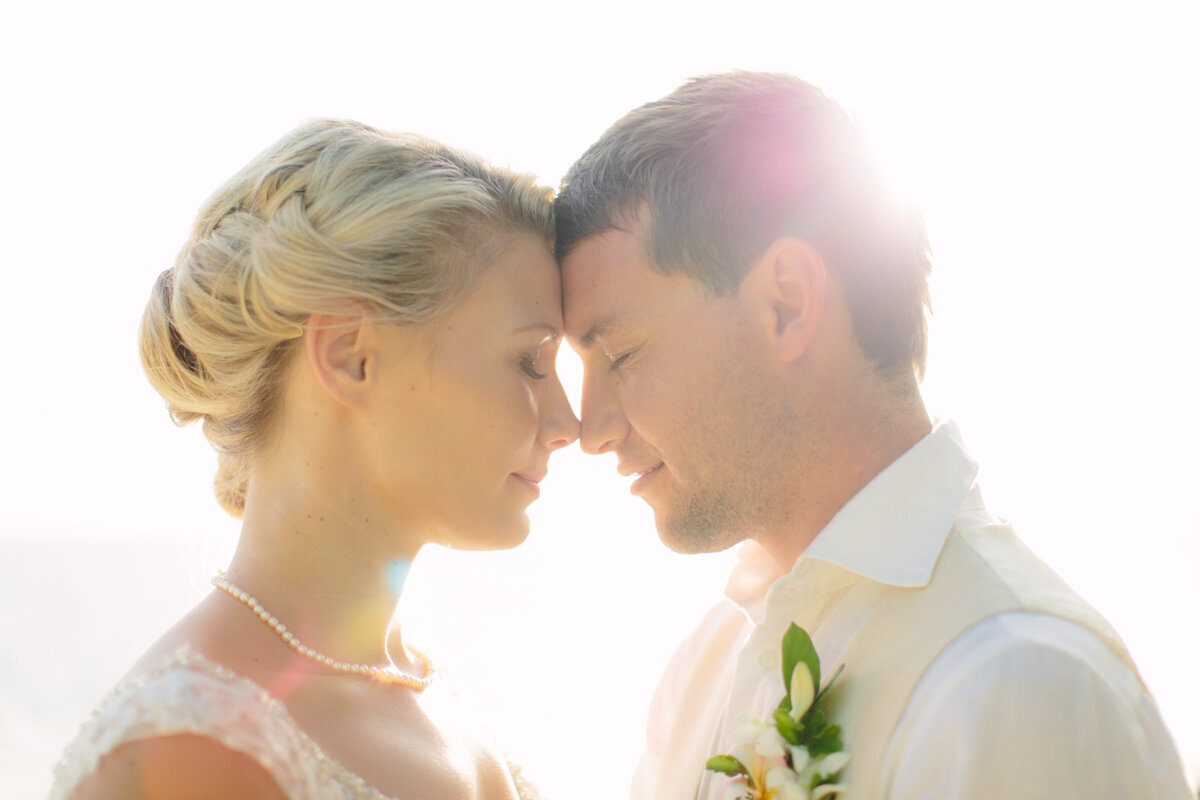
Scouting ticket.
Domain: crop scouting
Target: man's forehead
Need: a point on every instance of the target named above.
(623, 241)
(601, 276)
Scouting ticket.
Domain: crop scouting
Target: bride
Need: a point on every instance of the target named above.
(366, 324)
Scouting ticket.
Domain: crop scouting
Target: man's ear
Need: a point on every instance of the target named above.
(788, 283)
(338, 349)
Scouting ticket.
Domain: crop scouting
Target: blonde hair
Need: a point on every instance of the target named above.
(335, 211)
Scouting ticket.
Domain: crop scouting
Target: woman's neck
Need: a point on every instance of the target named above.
(327, 572)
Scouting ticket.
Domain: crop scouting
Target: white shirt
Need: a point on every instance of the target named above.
(1022, 705)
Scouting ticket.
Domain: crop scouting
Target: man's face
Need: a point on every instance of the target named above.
(677, 383)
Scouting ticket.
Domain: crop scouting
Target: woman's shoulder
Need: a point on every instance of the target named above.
(188, 713)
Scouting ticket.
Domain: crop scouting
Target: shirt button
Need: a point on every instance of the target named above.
(768, 660)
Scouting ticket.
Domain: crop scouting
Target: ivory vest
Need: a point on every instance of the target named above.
(981, 572)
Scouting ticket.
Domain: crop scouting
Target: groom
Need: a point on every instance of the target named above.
(749, 302)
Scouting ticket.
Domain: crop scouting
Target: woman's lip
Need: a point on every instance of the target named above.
(645, 478)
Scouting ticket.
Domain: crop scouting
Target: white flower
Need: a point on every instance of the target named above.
(770, 743)
(754, 740)
(802, 691)
(829, 764)
(764, 753)
(762, 764)
(799, 757)
(760, 748)
(747, 731)
(783, 783)
(736, 789)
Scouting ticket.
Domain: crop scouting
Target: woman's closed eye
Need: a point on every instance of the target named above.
(528, 363)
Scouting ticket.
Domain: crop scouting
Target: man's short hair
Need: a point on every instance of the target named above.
(727, 164)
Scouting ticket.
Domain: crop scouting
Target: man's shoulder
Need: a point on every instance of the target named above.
(990, 568)
(1021, 649)
(1039, 690)
(988, 582)
(982, 617)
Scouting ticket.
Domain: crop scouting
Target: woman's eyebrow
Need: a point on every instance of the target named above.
(551, 331)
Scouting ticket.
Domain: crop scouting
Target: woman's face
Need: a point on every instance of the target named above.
(472, 407)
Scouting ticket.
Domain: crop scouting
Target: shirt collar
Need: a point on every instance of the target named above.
(894, 529)
(750, 578)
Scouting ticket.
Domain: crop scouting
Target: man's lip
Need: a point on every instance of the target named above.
(626, 471)
(644, 477)
(530, 476)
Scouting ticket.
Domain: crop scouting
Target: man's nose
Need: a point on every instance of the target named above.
(603, 425)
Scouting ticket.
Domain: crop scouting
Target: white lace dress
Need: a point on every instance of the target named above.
(189, 694)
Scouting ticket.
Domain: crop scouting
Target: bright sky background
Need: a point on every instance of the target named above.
(1051, 145)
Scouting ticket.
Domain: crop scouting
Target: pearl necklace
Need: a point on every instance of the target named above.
(388, 674)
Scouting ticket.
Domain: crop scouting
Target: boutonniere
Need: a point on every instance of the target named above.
(796, 755)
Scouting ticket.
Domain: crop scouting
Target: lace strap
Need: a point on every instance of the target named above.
(191, 695)
(526, 790)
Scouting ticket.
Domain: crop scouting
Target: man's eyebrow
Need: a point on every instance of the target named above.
(600, 330)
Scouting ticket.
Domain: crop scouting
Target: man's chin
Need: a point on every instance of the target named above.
(693, 537)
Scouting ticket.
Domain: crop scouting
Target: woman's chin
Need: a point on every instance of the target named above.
(496, 535)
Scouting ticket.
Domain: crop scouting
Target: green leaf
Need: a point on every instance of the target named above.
(798, 649)
(726, 764)
(787, 727)
(828, 740)
(812, 723)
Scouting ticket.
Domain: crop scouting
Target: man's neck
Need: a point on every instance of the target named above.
(857, 447)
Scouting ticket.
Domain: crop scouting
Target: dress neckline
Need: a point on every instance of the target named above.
(275, 715)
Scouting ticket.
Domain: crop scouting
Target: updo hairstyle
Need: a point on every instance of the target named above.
(335, 211)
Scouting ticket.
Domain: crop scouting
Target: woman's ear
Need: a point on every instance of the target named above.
(339, 352)
(787, 287)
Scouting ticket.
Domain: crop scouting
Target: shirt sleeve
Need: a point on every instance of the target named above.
(1031, 706)
(686, 707)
